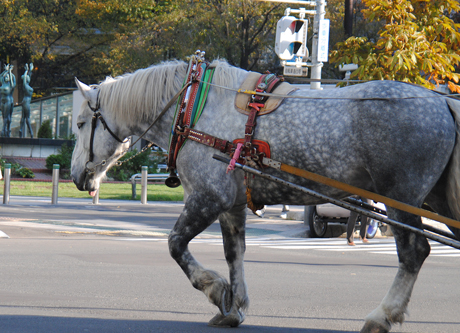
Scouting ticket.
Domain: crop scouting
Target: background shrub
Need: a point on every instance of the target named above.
(17, 170)
(63, 157)
(45, 131)
(126, 170)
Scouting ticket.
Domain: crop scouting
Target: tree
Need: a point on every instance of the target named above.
(240, 31)
(17, 30)
(65, 38)
(419, 43)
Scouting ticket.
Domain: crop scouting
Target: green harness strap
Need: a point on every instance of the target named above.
(200, 101)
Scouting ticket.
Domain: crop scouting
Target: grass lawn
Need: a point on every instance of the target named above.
(117, 191)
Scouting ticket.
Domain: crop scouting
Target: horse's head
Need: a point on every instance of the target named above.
(99, 141)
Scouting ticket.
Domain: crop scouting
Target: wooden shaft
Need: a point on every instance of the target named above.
(368, 195)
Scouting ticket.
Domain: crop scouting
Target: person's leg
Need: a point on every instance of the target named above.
(351, 227)
(363, 230)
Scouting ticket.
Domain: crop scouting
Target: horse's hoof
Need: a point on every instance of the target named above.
(373, 327)
(234, 319)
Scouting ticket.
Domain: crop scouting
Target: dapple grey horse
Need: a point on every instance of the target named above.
(392, 138)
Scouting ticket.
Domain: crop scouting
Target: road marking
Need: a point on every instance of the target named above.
(376, 246)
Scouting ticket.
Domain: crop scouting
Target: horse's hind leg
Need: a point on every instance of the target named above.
(233, 233)
(412, 251)
(199, 212)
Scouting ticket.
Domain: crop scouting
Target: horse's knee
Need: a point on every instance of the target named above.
(176, 246)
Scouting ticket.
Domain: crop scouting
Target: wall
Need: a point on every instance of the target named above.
(39, 148)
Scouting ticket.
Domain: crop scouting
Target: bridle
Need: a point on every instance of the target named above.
(97, 115)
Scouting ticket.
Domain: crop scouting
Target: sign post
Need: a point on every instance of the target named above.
(316, 63)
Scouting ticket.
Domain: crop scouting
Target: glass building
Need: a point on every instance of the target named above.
(57, 108)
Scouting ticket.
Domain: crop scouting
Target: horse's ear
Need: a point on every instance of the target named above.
(88, 93)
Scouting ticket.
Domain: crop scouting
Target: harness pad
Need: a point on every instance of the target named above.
(242, 100)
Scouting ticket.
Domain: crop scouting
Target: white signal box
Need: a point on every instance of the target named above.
(291, 38)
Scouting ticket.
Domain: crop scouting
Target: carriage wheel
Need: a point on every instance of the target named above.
(372, 228)
(318, 227)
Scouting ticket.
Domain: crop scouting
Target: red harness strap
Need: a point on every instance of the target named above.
(266, 83)
(253, 149)
(185, 111)
(224, 146)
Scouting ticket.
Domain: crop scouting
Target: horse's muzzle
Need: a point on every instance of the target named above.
(79, 185)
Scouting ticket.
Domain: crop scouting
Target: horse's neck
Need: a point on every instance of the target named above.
(159, 134)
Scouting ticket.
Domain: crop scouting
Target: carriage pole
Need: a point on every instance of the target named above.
(343, 204)
(6, 184)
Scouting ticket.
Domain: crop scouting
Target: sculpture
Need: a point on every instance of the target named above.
(28, 90)
(8, 83)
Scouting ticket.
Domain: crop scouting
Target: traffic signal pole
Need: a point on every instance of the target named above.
(285, 47)
(316, 65)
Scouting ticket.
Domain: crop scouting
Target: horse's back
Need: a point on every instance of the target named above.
(381, 135)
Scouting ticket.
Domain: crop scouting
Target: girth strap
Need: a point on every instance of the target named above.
(266, 84)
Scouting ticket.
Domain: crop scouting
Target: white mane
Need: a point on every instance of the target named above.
(134, 97)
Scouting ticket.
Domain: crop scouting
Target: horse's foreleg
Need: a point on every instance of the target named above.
(233, 233)
(198, 214)
(412, 252)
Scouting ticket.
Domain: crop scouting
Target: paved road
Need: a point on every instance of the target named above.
(123, 217)
(107, 269)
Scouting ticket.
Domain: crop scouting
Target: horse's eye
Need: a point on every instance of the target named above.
(80, 125)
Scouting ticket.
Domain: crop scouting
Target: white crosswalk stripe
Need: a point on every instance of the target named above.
(376, 245)
(379, 246)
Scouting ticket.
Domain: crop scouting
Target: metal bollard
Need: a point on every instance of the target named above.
(144, 185)
(96, 198)
(55, 178)
(6, 185)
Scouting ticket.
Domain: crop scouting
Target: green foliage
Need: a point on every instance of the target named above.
(240, 31)
(17, 170)
(25, 173)
(45, 131)
(91, 39)
(135, 164)
(63, 158)
(14, 166)
(65, 39)
(419, 43)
